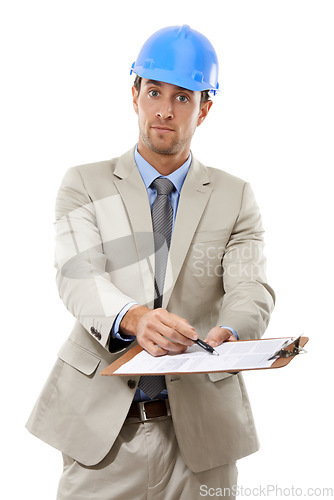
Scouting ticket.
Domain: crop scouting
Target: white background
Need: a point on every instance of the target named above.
(65, 100)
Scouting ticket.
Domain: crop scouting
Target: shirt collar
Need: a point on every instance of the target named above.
(149, 173)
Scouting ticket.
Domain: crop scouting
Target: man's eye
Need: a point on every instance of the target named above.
(153, 93)
(182, 98)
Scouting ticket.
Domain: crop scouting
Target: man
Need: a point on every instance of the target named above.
(155, 248)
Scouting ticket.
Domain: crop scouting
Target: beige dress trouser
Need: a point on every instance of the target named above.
(144, 464)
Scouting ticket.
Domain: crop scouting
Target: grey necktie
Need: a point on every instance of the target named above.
(162, 220)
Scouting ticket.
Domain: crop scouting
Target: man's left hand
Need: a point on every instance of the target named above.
(218, 335)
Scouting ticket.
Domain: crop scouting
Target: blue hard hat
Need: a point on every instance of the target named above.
(181, 56)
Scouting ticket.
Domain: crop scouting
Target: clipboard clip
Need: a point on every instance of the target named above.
(288, 353)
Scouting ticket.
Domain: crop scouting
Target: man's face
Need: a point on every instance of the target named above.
(168, 116)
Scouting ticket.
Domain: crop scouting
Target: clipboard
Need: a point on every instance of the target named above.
(285, 356)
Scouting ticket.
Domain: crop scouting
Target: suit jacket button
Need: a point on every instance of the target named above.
(92, 330)
(131, 384)
(98, 335)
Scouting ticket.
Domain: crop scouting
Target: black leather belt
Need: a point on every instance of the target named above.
(146, 410)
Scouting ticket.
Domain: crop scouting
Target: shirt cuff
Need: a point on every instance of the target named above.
(232, 331)
(115, 327)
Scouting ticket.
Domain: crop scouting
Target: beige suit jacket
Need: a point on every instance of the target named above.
(104, 260)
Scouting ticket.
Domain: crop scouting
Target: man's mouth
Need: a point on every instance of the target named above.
(162, 129)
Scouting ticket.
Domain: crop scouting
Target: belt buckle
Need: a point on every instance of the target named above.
(142, 411)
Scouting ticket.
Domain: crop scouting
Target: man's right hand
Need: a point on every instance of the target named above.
(157, 330)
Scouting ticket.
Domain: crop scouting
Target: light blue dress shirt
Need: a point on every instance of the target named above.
(149, 174)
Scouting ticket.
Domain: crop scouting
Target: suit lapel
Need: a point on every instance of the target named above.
(132, 190)
(194, 197)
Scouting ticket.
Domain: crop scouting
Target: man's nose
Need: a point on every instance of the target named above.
(165, 109)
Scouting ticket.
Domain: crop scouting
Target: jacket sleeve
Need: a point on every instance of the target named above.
(248, 299)
(83, 283)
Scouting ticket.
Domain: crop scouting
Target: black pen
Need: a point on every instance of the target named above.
(206, 346)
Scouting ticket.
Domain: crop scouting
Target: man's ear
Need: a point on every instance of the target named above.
(205, 108)
(135, 95)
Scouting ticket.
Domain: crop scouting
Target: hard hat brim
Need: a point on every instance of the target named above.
(162, 75)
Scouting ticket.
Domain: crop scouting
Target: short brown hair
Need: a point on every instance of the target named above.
(205, 95)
